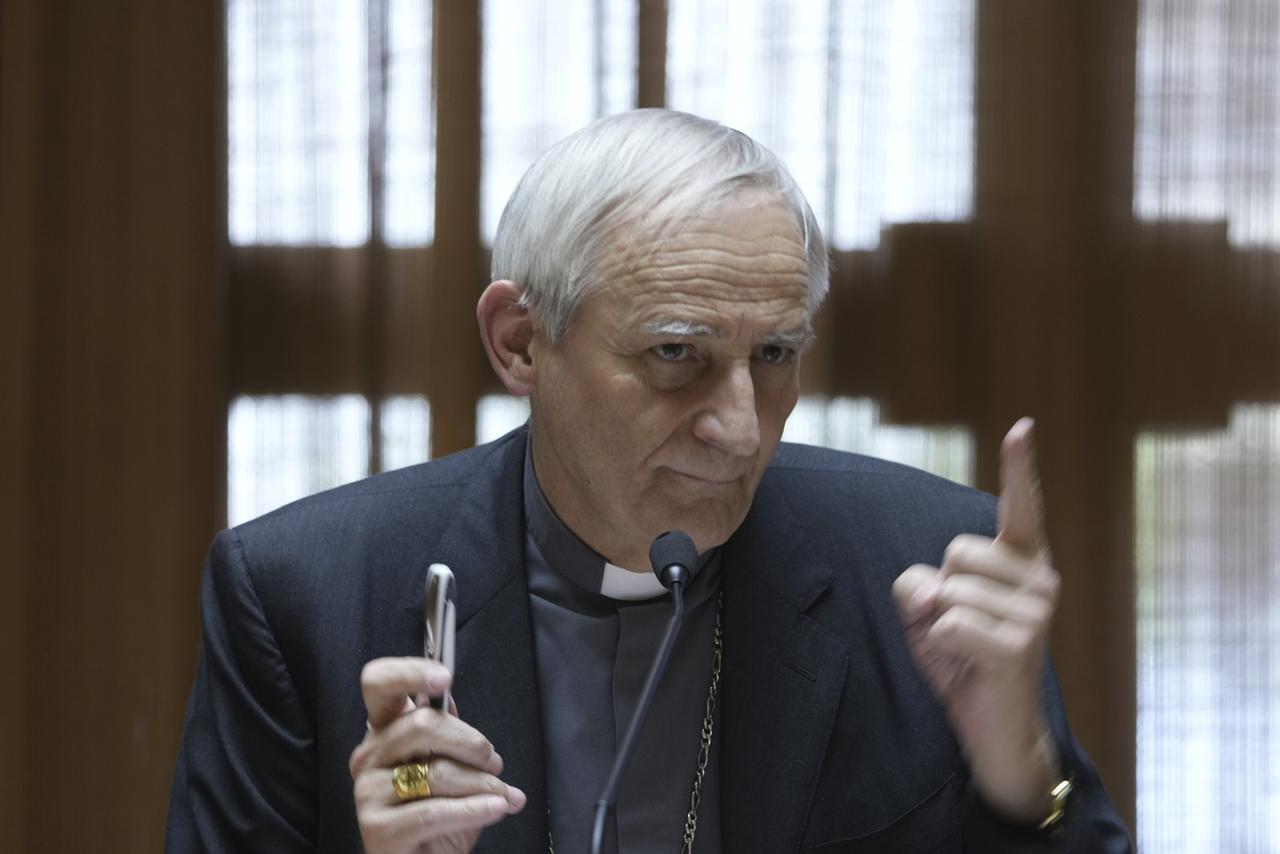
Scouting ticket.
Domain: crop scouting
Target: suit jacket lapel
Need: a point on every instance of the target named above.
(783, 678)
(783, 672)
(496, 682)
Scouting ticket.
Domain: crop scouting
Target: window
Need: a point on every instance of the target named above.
(853, 424)
(1208, 115)
(1207, 542)
(1208, 615)
(284, 447)
(297, 122)
(550, 67)
(869, 104)
(306, 109)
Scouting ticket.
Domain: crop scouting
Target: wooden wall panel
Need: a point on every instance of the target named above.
(19, 74)
(297, 319)
(406, 320)
(929, 289)
(113, 143)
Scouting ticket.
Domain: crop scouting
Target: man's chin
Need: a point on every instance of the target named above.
(706, 533)
(708, 516)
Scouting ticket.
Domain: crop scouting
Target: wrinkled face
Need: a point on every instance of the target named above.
(661, 405)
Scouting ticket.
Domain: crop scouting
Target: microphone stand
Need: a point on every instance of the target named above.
(610, 793)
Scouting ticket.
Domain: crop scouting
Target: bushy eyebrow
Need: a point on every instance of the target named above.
(679, 329)
(796, 338)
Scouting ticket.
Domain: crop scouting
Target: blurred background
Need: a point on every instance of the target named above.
(242, 244)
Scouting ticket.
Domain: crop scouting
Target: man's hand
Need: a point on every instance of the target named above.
(466, 794)
(978, 629)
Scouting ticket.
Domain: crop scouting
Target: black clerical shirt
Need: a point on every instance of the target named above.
(596, 628)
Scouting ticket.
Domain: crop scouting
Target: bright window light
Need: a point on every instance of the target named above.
(282, 448)
(406, 431)
(870, 105)
(499, 414)
(550, 67)
(853, 424)
(1207, 562)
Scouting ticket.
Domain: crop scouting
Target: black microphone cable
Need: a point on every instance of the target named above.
(673, 557)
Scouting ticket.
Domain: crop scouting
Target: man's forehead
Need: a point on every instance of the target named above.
(746, 219)
(745, 269)
(768, 228)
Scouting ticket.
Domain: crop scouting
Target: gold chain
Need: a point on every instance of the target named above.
(708, 729)
(704, 745)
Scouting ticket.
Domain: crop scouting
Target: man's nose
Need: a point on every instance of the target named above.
(729, 420)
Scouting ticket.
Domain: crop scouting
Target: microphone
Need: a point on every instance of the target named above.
(673, 557)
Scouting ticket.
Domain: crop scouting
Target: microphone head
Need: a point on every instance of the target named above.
(670, 550)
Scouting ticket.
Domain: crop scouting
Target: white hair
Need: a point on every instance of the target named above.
(627, 171)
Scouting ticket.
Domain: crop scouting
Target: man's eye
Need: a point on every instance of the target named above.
(672, 352)
(774, 354)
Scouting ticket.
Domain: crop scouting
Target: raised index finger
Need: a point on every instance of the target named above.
(386, 682)
(1021, 509)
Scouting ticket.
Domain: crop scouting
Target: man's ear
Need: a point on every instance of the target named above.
(507, 331)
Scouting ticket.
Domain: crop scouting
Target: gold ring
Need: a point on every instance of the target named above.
(410, 781)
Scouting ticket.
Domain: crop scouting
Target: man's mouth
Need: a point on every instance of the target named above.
(717, 478)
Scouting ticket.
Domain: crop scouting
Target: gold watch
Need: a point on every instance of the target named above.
(1059, 795)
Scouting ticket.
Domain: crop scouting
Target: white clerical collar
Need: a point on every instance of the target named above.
(577, 562)
(619, 583)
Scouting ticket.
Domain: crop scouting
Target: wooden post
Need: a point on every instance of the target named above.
(651, 53)
(1053, 190)
(457, 276)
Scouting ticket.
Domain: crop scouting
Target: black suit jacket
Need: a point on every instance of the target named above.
(831, 741)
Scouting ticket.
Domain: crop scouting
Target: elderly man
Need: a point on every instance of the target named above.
(655, 281)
